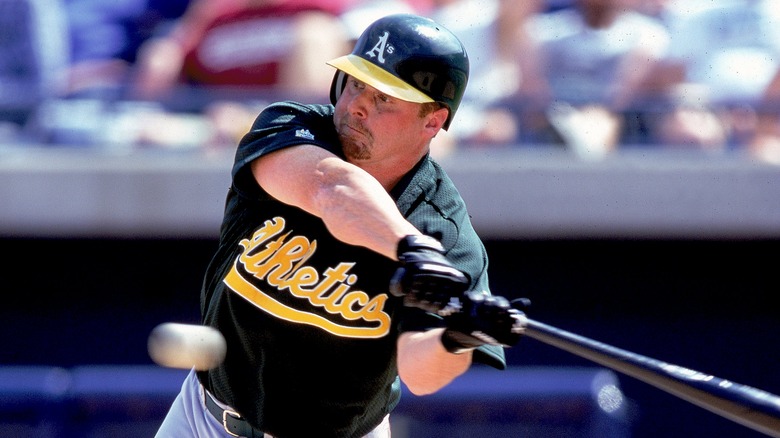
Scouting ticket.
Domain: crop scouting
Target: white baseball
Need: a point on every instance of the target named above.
(186, 346)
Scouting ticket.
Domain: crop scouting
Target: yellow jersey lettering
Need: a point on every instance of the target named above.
(299, 280)
(331, 302)
(280, 259)
(350, 302)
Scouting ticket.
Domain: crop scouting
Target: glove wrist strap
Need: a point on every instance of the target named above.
(452, 345)
(418, 242)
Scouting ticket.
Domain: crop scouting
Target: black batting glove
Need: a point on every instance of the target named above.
(426, 279)
(482, 319)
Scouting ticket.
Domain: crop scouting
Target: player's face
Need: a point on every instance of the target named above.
(372, 125)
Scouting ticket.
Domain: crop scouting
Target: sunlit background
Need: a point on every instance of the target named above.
(620, 158)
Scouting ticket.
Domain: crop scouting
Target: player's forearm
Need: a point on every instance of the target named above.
(424, 365)
(357, 210)
(352, 204)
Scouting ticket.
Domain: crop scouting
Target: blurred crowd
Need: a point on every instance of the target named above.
(590, 76)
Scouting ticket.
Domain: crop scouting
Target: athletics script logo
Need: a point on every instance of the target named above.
(380, 48)
(279, 259)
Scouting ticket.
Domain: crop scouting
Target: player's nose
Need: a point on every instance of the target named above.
(357, 103)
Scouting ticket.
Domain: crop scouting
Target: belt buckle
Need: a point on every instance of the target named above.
(225, 414)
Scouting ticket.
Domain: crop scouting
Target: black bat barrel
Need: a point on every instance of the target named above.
(751, 407)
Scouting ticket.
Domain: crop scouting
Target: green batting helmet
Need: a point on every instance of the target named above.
(408, 57)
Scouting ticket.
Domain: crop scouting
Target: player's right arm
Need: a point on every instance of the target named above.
(353, 205)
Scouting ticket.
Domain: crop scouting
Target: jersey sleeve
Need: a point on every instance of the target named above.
(278, 126)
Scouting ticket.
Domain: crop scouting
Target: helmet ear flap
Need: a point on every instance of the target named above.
(337, 86)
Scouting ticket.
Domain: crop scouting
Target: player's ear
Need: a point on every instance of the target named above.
(436, 118)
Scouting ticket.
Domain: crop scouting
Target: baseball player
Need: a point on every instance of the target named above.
(346, 263)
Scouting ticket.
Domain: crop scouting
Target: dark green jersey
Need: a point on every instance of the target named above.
(310, 324)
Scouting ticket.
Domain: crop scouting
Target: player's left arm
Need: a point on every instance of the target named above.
(430, 359)
(424, 365)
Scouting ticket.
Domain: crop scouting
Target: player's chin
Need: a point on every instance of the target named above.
(355, 144)
(355, 151)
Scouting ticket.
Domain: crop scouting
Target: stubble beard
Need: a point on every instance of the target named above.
(356, 145)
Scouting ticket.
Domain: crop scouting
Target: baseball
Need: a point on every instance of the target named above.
(186, 346)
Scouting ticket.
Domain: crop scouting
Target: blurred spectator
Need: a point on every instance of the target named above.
(721, 61)
(33, 59)
(679, 113)
(582, 75)
(279, 44)
(105, 37)
(492, 32)
(100, 39)
(733, 50)
(234, 52)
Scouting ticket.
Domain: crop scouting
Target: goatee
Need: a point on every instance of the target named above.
(355, 142)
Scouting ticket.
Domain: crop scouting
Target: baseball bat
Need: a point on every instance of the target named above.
(748, 406)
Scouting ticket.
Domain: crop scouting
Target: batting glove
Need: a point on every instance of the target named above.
(426, 279)
(482, 319)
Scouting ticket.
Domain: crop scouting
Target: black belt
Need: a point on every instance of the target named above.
(232, 421)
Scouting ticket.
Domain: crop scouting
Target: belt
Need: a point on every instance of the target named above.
(232, 421)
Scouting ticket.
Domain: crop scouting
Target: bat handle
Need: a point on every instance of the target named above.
(452, 307)
(455, 305)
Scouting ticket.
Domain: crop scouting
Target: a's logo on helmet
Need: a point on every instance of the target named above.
(380, 48)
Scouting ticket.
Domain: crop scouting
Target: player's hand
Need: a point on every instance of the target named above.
(483, 319)
(426, 279)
